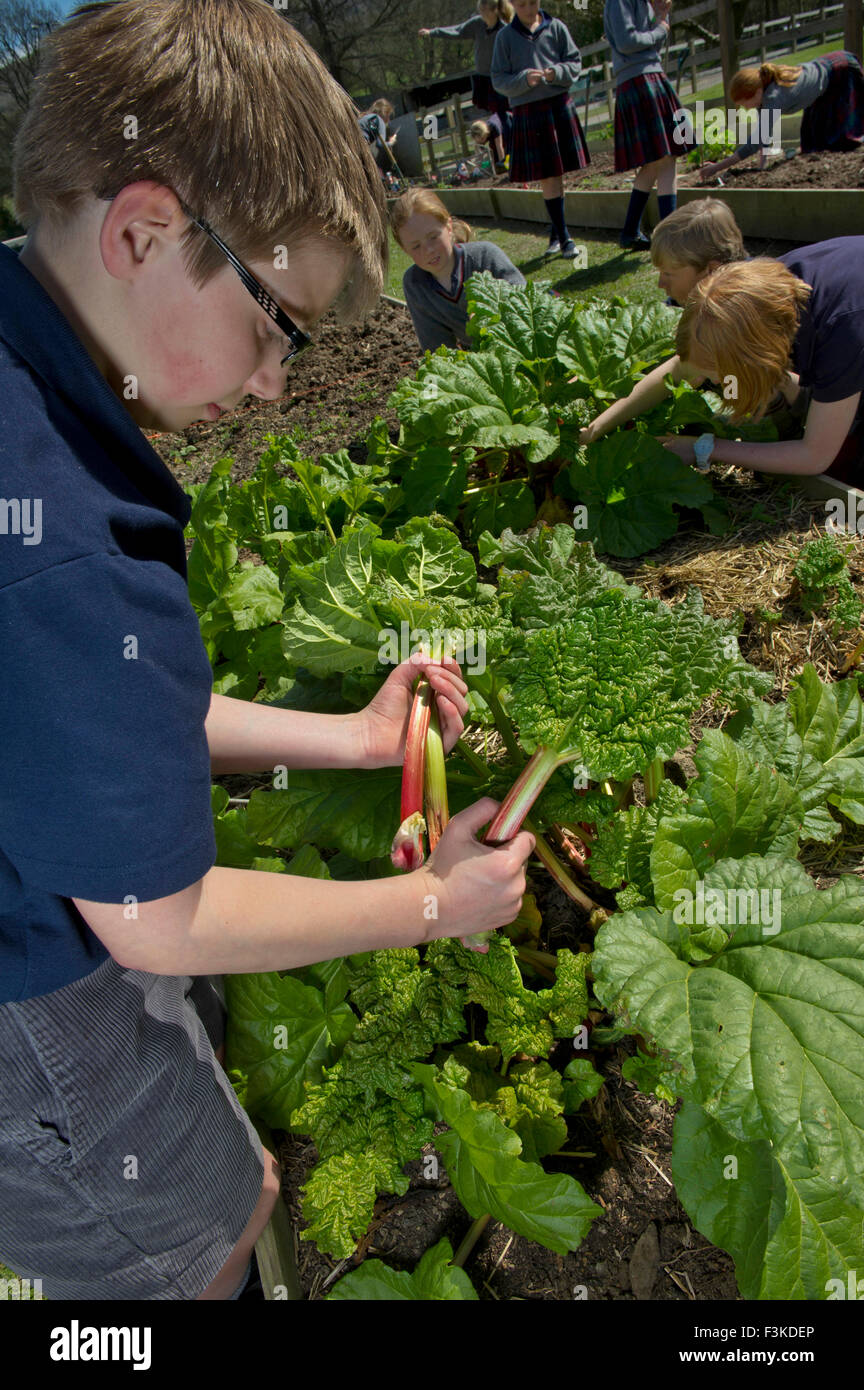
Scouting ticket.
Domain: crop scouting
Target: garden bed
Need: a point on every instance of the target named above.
(618, 1144)
(822, 170)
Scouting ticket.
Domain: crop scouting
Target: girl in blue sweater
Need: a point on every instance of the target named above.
(647, 137)
(483, 27)
(534, 64)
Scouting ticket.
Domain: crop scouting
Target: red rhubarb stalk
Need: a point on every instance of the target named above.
(515, 807)
(407, 850)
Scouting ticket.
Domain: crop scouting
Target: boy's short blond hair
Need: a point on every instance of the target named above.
(744, 317)
(701, 231)
(219, 100)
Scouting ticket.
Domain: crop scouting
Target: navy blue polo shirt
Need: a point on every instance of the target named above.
(828, 351)
(104, 683)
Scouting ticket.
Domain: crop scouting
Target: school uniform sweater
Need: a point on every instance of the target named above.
(634, 37)
(484, 39)
(810, 84)
(440, 317)
(517, 49)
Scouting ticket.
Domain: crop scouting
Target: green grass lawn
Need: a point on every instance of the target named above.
(610, 270)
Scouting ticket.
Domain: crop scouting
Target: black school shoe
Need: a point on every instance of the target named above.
(634, 243)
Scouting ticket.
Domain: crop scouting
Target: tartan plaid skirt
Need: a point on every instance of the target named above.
(835, 121)
(645, 123)
(547, 140)
(485, 97)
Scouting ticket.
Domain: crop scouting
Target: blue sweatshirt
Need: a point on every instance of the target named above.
(517, 50)
(484, 39)
(440, 316)
(635, 38)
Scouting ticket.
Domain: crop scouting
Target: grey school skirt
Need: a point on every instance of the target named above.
(128, 1169)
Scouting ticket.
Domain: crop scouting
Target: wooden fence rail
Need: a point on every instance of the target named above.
(595, 91)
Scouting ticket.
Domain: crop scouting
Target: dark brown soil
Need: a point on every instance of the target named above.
(823, 170)
(626, 1139)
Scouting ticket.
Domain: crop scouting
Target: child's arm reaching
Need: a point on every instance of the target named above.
(236, 921)
(648, 392)
(246, 737)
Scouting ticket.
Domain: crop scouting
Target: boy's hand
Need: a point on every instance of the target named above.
(476, 887)
(384, 722)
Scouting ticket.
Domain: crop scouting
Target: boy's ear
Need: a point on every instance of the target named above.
(140, 218)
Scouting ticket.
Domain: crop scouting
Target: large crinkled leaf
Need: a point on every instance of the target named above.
(519, 1019)
(630, 486)
(474, 398)
(830, 722)
(608, 347)
(434, 1279)
(737, 806)
(769, 1038)
(620, 681)
(548, 574)
(525, 321)
(353, 603)
(484, 1165)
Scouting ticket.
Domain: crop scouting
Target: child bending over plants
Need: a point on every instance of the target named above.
(829, 90)
(755, 326)
(444, 256)
(147, 295)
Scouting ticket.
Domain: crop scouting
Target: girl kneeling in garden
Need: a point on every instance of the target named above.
(829, 90)
(744, 326)
(444, 257)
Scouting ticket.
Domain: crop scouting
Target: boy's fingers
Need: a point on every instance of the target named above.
(473, 817)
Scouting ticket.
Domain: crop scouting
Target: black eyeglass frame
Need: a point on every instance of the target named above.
(286, 325)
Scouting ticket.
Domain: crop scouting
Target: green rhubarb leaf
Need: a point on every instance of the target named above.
(498, 505)
(435, 1278)
(767, 733)
(653, 1076)
(484, 1165)
(621, 852)
(548, 574)
(519, 1020)
(736, 807)
(630, 486)
(339, 1199)
(609, 346)
(620, 681)
(355, 810)
(829, 719)
(280, 1034)
(525, 321)
(582, 1082)
(529, 1100)
(476, 399)
(768, 1038)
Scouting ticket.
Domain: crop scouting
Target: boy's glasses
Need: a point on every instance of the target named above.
(298, 339)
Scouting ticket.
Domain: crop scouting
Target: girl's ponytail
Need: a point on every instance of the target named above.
(778, 72)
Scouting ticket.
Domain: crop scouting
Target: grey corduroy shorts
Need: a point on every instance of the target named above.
(128, 1169)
